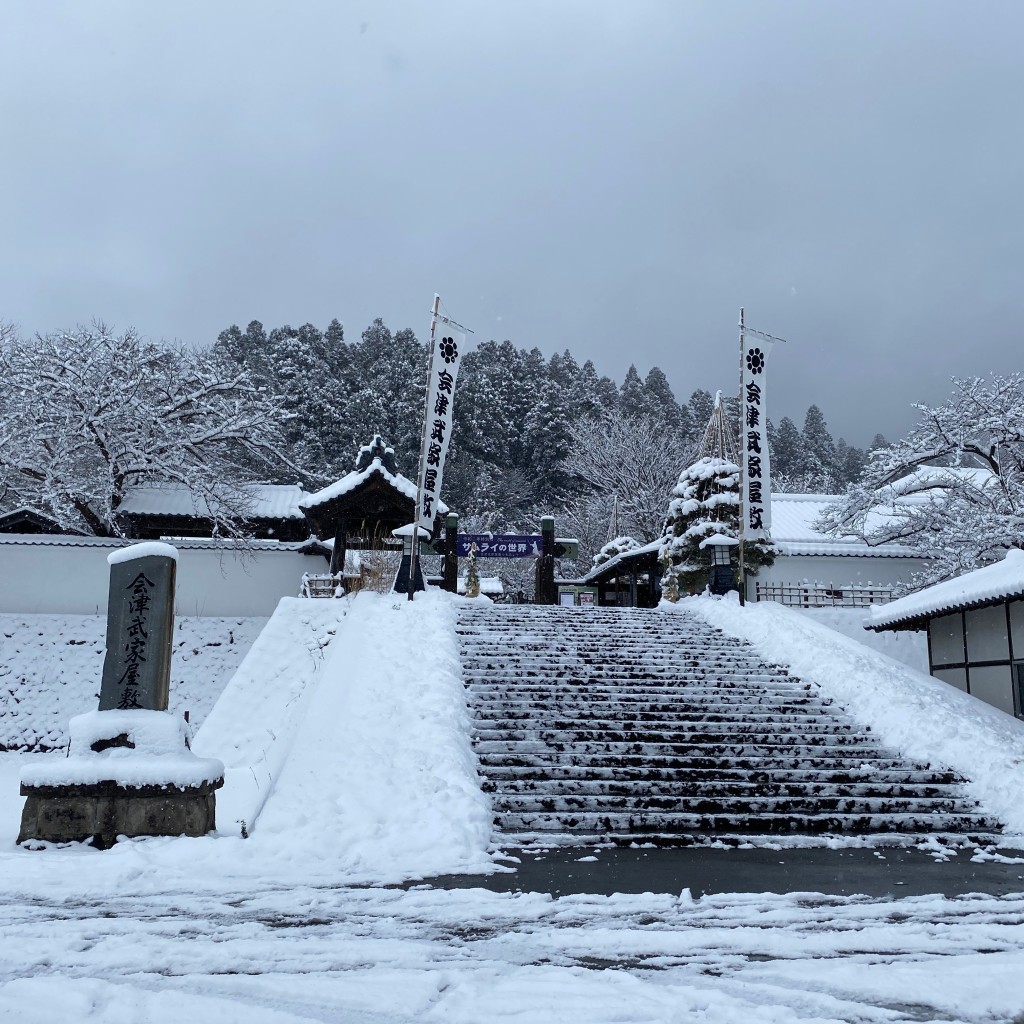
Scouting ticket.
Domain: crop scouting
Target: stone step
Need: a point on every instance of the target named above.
(755, 805)
(603, 774)
(647, 724)
(644, 711)
(541, 699)
(765, 753)
(687, 786)
(756, 765)
(692, 723)
(569, 683)
(751, 824)
(551, 733)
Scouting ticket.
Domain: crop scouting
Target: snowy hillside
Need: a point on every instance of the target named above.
(50, 669)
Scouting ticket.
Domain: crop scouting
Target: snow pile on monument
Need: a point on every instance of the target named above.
(130, 748)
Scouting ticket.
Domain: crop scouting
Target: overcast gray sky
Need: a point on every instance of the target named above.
(612, 177)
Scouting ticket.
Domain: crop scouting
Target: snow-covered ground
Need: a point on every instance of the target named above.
(267, 953)
(293, 923)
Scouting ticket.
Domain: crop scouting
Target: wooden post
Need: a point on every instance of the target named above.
(743, 469)
(546, 593)
(338, 552)
(451, 557)
(414, 566)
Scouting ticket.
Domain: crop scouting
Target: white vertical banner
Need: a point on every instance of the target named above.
(444, 369)
(757, 484)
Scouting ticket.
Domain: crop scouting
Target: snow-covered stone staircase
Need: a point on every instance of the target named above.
(628, 722)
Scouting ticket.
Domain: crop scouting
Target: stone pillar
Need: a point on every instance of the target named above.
(401, 584)
(451, 558)
(140, 628)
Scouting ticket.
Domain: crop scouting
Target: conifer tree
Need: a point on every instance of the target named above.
(706, 501)
(660, 401)
(632, 397)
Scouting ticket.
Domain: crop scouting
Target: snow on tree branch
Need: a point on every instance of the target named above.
(954, 487)
(85, 414)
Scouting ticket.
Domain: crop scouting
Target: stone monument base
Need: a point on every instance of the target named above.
(103, 811)
(128, 773)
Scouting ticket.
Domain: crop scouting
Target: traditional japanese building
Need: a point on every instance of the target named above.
(631, 579)
(361, 510)
(29, 521)
(271, 512)
(975, 626)
(813, 568)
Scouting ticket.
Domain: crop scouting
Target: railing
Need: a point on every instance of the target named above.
(324, 585)
(816, 595)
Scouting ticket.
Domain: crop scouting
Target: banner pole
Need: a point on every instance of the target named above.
(743, 467)
(415, 559)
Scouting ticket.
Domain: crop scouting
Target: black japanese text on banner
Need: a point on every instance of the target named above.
(444, 368)
(757, 503)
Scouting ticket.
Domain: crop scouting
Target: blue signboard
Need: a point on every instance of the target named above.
(495, 545)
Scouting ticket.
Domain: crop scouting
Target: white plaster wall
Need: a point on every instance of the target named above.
(59, 580)
(838, 570)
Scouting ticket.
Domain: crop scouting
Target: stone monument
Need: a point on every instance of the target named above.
(129, 770)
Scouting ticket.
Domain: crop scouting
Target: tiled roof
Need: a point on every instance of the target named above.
(992, 584)
(351, 481)
(111, 543)
(793, 532)
(268, 501)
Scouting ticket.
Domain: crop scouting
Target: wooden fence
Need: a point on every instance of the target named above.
(819, 595)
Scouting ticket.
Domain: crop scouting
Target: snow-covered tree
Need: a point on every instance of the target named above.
(953, 488)
(635, 458)
(84, 414)
(788, 456)
(614, 548)
(820, 466)
(706, 502)
(632, 396)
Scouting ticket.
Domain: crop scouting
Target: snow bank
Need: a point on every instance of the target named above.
(909, 647)
(252, 727)
(922, 717)
(382, 779)
(158, 754)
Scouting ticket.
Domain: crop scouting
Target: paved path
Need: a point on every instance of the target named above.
(892, 872)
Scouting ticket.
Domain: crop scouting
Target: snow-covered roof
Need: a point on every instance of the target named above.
(266, 501)
(626, 556)
(793, 531)
(992, 584)
(348, 483)
(183, 543)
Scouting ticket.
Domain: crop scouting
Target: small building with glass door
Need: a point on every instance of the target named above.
(975, 627)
